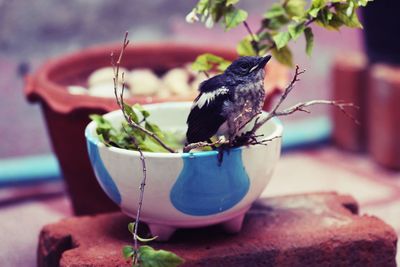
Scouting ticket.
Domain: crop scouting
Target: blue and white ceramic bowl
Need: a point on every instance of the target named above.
(184, 189)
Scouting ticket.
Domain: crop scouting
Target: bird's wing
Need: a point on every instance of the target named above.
(206, 114)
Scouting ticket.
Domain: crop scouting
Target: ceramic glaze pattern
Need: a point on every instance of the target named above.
(106, 181)
(184, 189)
(205, 188)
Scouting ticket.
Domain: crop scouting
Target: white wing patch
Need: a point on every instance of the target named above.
(206, 98)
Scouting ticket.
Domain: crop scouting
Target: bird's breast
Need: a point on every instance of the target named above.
(248, 102)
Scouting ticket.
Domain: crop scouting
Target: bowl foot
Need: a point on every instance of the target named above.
(234, 225)
(163, 232)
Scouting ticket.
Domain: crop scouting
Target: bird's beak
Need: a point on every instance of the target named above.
(264, 61)
(261, 64)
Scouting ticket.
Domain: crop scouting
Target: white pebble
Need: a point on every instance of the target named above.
(177, 81)
(106, 90)
(104, 75)
(143, 82)
(199, 78)
(163, 93)
(77, 90)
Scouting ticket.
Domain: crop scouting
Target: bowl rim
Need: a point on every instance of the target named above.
(278, 131)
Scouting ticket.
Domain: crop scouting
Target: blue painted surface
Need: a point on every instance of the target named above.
(101, 171)
(205, 188)
(29, 170)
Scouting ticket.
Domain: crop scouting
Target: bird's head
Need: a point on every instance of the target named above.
(247, 66)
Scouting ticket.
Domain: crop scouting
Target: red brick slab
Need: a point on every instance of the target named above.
(321, 229)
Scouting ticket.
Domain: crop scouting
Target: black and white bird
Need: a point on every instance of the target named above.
(228, 101)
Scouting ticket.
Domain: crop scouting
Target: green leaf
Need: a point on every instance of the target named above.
(140, 108)
(318, 3)
(313, 12)
(324, 17)
(158, 258)
(233, 17)
(131, 228)
(335, 23)
(346, 14)
(223, 65)
(128, 252)
(173, 139)
(201, 64)
(295, 30)
(150, 145)
(245, 47)
(284, 56)
(309, 36)
(275, 23)
(276, 10)
(101, 122)
(145, 240)
(231, 2)
(206, 62)
(154, 129)
(131, 113)
(295, 8)
(265, 35)
(129, 131)
(281, 39)
(201, 6)
(363, 2)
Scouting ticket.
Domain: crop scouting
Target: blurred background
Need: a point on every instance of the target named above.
(32, 32)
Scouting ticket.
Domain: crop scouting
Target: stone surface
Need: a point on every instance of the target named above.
(320, 229)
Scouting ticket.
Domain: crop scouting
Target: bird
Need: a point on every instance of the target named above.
(226, 102)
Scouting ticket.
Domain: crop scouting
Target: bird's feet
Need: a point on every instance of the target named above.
(221, 150)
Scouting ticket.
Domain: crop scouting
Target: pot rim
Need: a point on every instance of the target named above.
(278, 131)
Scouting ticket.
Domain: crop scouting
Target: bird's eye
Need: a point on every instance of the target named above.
(244, 67)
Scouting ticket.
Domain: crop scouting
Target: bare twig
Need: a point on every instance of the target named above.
(298, 107)
(242, 140)
(302, 107)
(206, 73)
(191, 146)
(120, 100)
(284, 95)
(255, 44)
(288, 89)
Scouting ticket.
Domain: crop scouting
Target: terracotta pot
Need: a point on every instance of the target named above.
(349, 74)
(67, 114)
(384, 115)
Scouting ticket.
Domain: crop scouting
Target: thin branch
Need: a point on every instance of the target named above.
(284, 95)
(289, 88)
(242, 140)
(192, 146)
(120, 100)
(302, 107)
(206, 73)
(254, 41)
(298, 107)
